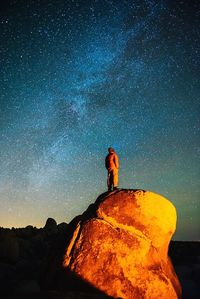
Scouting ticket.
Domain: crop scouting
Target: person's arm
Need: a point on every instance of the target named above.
(116, 160)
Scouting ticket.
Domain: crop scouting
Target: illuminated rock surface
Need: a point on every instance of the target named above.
(120, 246)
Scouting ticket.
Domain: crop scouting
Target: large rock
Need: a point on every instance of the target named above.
(120, 246)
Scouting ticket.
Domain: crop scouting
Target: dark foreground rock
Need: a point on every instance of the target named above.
(186, 259)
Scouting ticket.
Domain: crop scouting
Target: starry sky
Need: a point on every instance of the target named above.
(79, 76)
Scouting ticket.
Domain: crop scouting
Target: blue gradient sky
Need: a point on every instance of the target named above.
(79, 76)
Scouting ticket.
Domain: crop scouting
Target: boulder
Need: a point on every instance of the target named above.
(50, 226)
(120, 246)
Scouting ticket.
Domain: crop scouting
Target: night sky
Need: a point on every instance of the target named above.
(79, 76)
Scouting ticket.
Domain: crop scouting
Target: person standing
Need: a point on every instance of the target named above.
(112, 165)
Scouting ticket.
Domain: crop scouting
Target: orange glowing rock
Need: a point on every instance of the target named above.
(120, 246)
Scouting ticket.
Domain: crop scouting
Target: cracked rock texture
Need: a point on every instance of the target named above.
(120, 246)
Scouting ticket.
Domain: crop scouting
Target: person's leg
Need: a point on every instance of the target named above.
(109, 181)
(115, 179)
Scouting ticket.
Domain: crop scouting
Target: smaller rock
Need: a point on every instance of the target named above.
(50, 226)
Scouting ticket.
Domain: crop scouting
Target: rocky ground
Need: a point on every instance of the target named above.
(25, 254)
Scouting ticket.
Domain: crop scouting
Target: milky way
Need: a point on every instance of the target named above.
(79, 76)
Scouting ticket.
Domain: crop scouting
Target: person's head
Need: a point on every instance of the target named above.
(111, 150)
